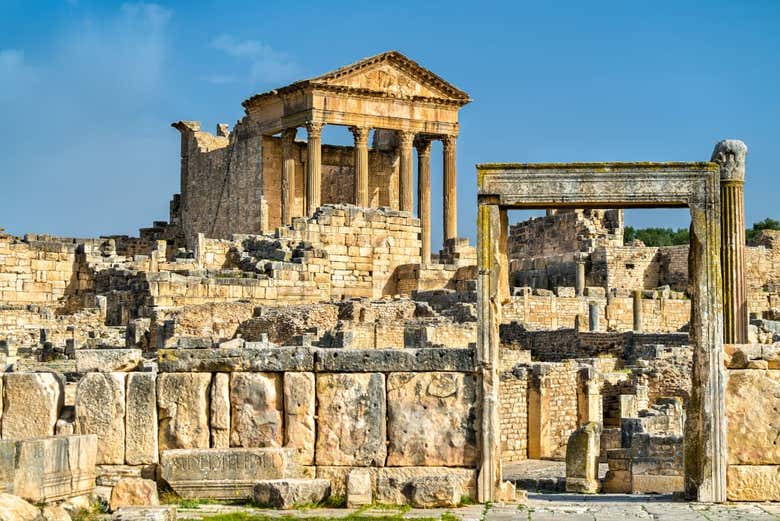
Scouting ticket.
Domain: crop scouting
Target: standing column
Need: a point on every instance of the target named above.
(313, 167)
(424, 195)
(638, 310)
(450, 190)
(593, 316)
(406, 171)
(361, 165)
(730, 155)
(579, 281)
(288, 174)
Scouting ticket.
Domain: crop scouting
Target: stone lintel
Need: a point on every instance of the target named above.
(284, 359)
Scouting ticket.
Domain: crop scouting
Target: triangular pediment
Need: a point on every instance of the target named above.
(392, 74)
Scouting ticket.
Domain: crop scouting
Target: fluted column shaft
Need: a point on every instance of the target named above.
(288, 174)
(313, 167)
(424, 196)
(450, 189)
(406, 171)
(361, 165)
(730, 155)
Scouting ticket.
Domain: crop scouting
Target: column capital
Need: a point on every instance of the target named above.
(288, 136)
(360, 134)
(314, 128)
(730, 156)
(423, 146)
(448, 141)
(405, 138)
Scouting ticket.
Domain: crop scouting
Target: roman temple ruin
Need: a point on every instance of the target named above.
(290, 337)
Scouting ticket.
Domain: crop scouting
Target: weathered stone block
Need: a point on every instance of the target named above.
(752, 400)
(386, 360)
(182, 408)
(48, 469)
(431, 419)
(351, 419)
(289, 493)
(107, 360)
(141, 419)
(109, 475)
(435, 492)
(256, 410)
(299, 410)
(14, 508)
(129, 492)
(225, 473)
(582, 459)
(227, 360)
(100, 410)
(359, 489)
(753, 483)
(31, 404)
(220, 411)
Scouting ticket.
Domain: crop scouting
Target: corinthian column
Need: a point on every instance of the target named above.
(406, 171)
(313, 166)
(730, 155)
(288, 174)
(361, 165)
(424, 196)
(450, 190)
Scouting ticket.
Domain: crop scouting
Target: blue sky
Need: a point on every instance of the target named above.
(88, 90)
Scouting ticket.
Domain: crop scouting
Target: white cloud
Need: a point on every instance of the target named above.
(267, 66)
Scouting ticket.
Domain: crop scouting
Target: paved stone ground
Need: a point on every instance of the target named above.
(543, 507)
(541, 475)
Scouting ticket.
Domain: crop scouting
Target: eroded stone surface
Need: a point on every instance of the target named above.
(289, 493)
(183, 408)
(31, 404)
(351, 419)
(225, 473)
(134, 492)
(141, 419)
(359, 488)
(220, 411)
(431, 419)
(14, 508)
(582, 459)
(753, 404)
(299, 409)
(753, 482)
(435, 492)
(256, 410)
(107, 360)
(100, 410)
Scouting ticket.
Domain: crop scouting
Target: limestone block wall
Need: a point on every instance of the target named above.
(513, 400)
(565, 231)
(232, 183)
(752, 401)
(336, 409)
(552, 408)
(544, 310)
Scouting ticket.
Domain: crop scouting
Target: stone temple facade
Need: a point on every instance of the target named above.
(289, 335)
(259, 176)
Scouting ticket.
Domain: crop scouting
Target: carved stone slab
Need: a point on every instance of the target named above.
(225, 473)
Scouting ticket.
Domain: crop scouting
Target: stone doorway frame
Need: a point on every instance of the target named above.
(695, 185)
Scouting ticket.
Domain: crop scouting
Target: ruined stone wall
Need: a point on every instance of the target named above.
(565, 231)
(542, 309)
(513, 400)
(762, 274)
(629, 267)
(752, 391)
(322, 412)
(221, 181)
(552, 408)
